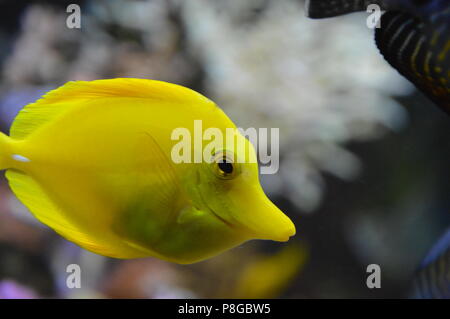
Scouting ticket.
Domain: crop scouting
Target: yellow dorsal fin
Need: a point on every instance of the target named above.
(69, 95)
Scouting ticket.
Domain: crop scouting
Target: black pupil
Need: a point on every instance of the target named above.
(225, 166)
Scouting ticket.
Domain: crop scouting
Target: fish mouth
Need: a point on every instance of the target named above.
(212, 211)
(218, 216)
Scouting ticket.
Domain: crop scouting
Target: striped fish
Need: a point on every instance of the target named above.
(433, 278)
(414, 38)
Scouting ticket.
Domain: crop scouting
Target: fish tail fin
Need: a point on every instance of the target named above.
(4, 151)
(318, 9)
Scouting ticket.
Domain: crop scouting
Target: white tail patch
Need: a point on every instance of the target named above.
(20, 158)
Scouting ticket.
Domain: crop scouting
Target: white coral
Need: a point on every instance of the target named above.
(322, 82)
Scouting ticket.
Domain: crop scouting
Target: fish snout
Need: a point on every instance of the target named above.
(264, 220)
(279, 227)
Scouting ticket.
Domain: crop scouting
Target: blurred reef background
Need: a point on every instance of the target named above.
(364, 168)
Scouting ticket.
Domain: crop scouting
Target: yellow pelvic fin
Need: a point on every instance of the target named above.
(71, 95)
(45, 210)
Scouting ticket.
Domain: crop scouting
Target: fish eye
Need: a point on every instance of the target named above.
(224, 167)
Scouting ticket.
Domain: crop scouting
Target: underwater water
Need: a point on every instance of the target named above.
(360, 155)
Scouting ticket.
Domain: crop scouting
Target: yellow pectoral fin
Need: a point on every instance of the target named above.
(31, 194)
(156, 196)
(156, 170)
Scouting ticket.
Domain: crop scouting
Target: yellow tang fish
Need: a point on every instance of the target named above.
(93, 161)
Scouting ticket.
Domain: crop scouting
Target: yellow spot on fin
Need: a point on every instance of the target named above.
(69, 96)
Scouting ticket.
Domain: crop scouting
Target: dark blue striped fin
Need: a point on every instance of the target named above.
(420, 51)
(317, 9)
(433, 278)
(442, 245)
(433, 281)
